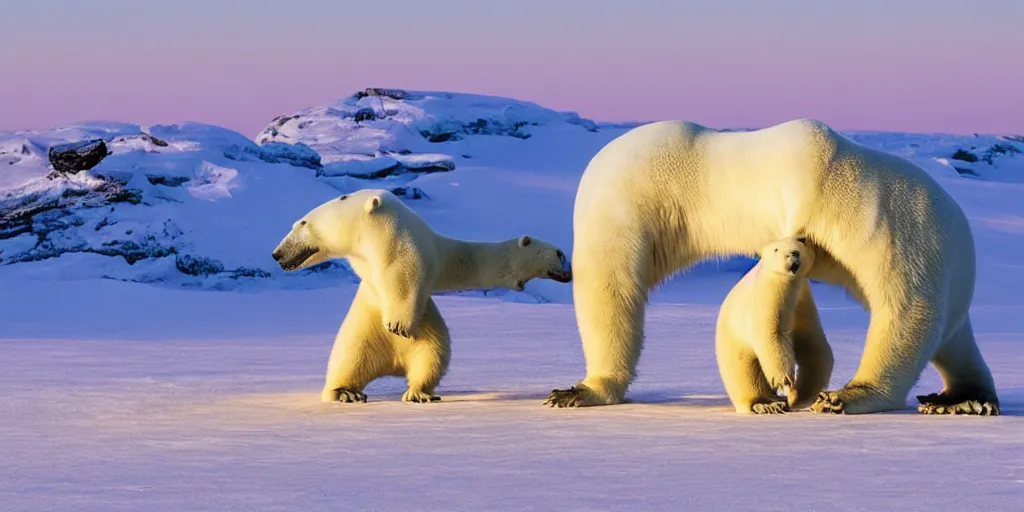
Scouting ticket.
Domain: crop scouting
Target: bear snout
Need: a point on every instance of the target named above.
(793, 263)
(291, 258)
(562, 275)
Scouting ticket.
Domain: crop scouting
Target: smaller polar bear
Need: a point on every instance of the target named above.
(766, 326)
(393, 326)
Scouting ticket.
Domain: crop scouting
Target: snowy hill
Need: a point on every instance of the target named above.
(385, 132)
(201, 206)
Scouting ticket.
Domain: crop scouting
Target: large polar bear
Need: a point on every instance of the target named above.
(668, 194)
(767, 325)
(393, 326)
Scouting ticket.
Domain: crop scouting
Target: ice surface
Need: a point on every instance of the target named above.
(118, 396)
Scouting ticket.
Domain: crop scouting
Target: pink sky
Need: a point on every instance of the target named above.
(935, 66)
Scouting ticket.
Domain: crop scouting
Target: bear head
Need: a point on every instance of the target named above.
(535, 258)
(332, 229)
(791, 257)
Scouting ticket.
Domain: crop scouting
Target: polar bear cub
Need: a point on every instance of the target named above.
(393, 326)
(768, 324)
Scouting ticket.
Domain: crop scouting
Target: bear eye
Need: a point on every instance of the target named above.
(776, 249)
(342, 198)
(802, 240)
(303, 223)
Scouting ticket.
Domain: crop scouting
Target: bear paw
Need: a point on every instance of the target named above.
(419, 397)
(562, 398)
(938, 403)
(773, 407)
(346, 396)
(829, 402)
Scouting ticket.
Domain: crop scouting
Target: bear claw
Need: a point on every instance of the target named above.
(348, 396)
(937, 403)
(418, 397)
(778, 407)
(828, 402)
(562, 398)
(397, 328)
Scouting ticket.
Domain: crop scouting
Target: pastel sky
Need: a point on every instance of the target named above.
(917, 65)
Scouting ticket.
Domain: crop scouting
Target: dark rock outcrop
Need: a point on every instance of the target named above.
(395, 94)
(76, 157)
(409, 193)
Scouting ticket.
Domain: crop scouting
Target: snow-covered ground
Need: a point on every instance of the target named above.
(192, 390)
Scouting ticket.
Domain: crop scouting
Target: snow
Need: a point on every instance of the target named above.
(189, 380)
(148, 398)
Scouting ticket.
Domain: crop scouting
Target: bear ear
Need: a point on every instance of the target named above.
(373, 203)
(524, 241)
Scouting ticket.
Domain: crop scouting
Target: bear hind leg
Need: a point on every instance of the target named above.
(968, 387)
(426, 357)
(813, 353)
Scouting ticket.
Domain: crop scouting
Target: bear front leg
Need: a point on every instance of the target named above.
(362, 351)
(745, 383)
(426, 357)
(777, 359)
(895, 353)
(403, 301)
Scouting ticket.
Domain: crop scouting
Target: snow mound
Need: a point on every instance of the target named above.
(181, 204)
(380, 132)
(985, 157)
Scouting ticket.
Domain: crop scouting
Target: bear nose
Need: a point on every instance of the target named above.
(277, 255)
(795, 254)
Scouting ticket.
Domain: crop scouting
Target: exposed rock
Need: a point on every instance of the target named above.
(996, 150)
(200, 266)
(143, 137)
(452, 130)
(364, 114)
(167, 181)
(965, 156)
(298, 154)
(75, 157)
(409, 193)
(395, 94)
(19, 214)
(385, 165)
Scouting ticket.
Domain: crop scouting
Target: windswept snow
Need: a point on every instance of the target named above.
(148, 398)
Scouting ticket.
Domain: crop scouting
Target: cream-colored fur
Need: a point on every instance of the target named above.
(759, 339)
(666, 195)
(393, 326)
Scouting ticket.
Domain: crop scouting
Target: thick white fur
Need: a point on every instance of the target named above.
(760, 339)
(393, 326)
(668, 194)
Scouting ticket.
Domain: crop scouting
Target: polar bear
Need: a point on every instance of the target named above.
(666, 195)
(393, 326)
(767, 325)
